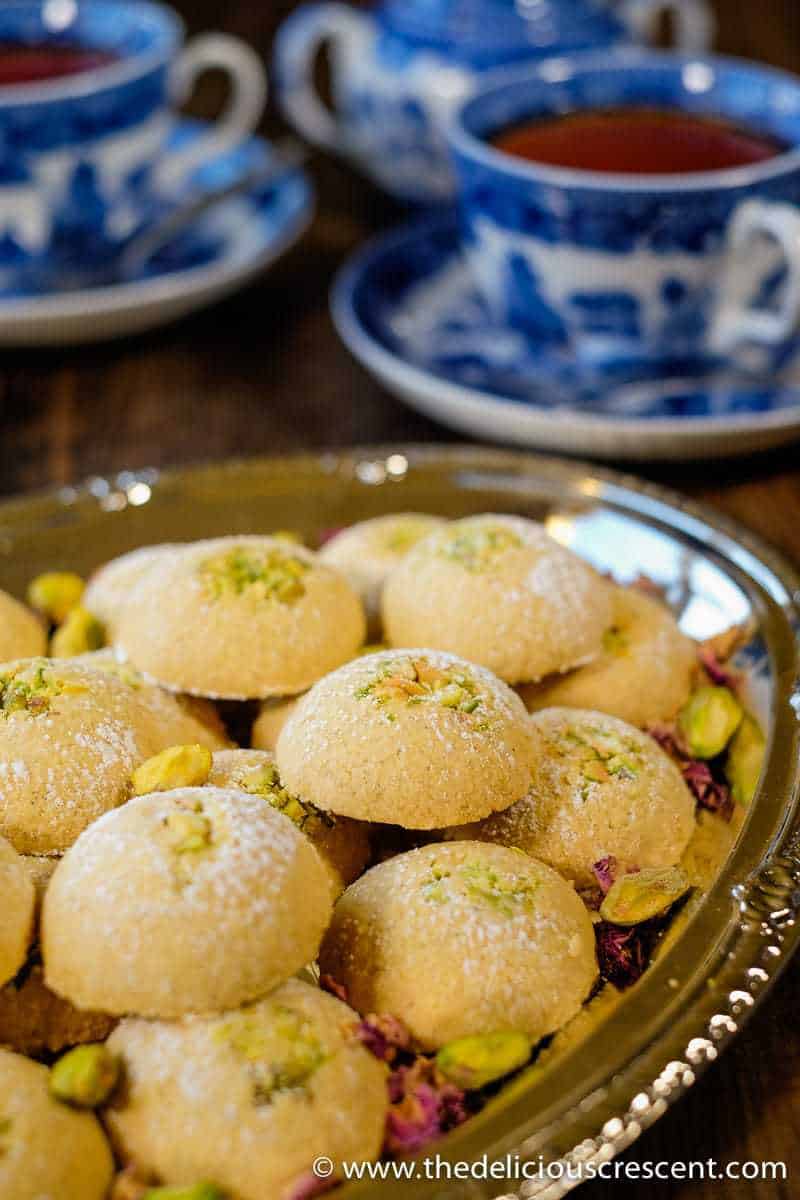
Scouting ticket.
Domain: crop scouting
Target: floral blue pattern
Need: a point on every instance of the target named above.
(619, 266)
(412, 296)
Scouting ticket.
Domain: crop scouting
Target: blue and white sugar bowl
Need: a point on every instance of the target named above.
(399, 72)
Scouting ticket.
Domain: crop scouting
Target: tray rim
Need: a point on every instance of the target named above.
(762, 928)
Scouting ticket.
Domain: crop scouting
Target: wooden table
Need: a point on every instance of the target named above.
(265, 373)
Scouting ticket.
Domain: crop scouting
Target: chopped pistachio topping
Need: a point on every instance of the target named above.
(604, 753)
(80, 634)
(745, 759)
(268, 574)
(281, 1050)
(32, 689)
(416, 681)
(265, 781)
(401, 537)
(190, 831)
(55, 594)
(640, 895)
(474, 1062)
(484, 886)
(709, 720)
(478, 548)
(85, 1077)
(175, 767)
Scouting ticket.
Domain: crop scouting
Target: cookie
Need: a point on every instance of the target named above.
(271, 719)
(367, 552)
(249, 1099)
(195, 900)
(463, 938)
(240, 618)
(71, 735)
(22, 634)
(48, 1151)
(643, 676)
(498, 591)
(17, 911)
(601, 788)
(342, 844)
(110, 587)
(408, 737)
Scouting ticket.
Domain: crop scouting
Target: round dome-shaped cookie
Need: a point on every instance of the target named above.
(164, 719)
(463, 938)
(241, 619)
(48, 1151)
(110, 586)
(643, 675)
(408, 737)
(271, 719)
(368, 552)
(22, 634)
(194, 900)
(17, 911)
(249, 1099)
(498, 591)
(342, 844)
(600, 788)
(71, 735)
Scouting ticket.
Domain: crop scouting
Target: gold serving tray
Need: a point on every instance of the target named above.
(597, 1088)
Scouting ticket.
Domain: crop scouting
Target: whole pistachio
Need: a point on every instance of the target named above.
(473, 1062)
(709, 720)
(745, 760)
(641, 895)
(85, 1077)
(175, 767)
(80, 633)
(55, 594)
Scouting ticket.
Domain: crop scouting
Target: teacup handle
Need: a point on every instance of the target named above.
(300, 38)
(248, 78)
(695, 24)
(736, 322)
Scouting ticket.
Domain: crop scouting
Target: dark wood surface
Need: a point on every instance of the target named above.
(265, 373)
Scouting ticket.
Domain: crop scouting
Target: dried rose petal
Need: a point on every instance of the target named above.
(605, 872)
(413, 1121)
(383, 1036)
(622, 952)
(711, 793)
(708, 786)
(423, 1107)
(719, 674)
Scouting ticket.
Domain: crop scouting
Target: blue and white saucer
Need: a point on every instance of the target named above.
(406, 308)
(221, 252)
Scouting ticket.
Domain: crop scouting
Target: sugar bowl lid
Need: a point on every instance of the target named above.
(497, 31)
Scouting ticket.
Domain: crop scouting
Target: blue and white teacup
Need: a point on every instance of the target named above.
(400, 71)
(82, 156)
(626, 269)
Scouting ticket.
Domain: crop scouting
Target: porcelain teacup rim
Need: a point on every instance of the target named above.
(169, 33)
(561, 68)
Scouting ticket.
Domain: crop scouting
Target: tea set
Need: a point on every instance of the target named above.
(543, 292)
